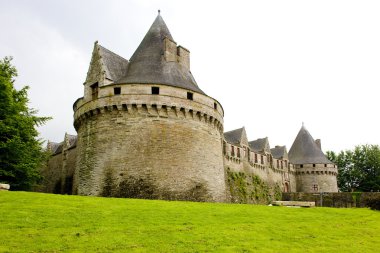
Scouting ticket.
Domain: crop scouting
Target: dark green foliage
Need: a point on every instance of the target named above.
(358, 169)
(21, 153)
(374, 203)
(249, 188)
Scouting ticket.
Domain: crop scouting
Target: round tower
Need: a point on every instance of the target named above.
(314, 172)
(145, 128)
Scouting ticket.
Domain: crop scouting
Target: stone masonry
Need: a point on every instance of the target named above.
(146, 130)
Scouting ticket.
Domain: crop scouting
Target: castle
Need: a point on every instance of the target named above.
(146, 130)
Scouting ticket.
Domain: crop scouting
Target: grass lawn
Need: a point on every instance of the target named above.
(36, 222)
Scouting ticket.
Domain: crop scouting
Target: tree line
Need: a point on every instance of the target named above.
(358, 169)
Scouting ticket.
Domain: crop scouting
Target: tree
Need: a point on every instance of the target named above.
(358, 169)
(21, 153)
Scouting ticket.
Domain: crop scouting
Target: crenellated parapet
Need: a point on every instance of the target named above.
(317, 169)
(171, 102)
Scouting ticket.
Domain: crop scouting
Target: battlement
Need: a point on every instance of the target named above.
(169, 102)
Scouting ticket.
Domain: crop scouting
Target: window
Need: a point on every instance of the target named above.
(262, 159)
(117, 91)
(190, 96)
(215, 106)
(314, 165)
(255, 158)
(278, 162)
(232, 151)
(94, 90)
(155, 90)
(301, 165)
(238, 152)
(325, 165)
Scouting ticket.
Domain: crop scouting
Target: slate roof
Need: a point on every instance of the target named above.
(147, 65)
(234, 136)
(58, 149)
(279, 152)
(72, 141)
(305, 151)
(54, 146)
(114, 65)
(260, 145)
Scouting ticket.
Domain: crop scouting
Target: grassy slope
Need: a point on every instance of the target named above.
(33, 222)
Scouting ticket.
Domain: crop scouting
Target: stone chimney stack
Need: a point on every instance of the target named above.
(318, 142)
(174, 53)
(183, 57)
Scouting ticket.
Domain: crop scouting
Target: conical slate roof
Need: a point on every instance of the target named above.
(305, 151)
(148, 66)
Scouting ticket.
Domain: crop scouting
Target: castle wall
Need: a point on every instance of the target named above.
(316, 178)
(150, 146)
(51, 174)
(68, 170)
(272, 173)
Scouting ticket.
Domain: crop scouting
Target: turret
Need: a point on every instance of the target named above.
(149, 131)
(314, 172)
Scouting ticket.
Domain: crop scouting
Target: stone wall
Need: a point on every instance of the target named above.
(268, 172)
(334, 199)
(316, 177)
(150, 146)
(51, 175)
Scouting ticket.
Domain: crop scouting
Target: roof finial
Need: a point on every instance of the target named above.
(159, 12)
(303, 124)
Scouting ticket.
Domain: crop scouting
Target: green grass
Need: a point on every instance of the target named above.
(35, 222)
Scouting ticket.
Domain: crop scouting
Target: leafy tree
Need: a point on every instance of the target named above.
(358, 169)
(21, 153)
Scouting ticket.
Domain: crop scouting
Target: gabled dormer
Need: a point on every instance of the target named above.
(105, 68)
(237, 137)
(260, 146)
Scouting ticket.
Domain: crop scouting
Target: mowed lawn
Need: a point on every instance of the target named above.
(36, 222)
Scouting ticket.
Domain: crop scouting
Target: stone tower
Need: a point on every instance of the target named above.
(145, 128)
(314, 172)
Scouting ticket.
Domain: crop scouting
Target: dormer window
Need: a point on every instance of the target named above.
(190, 96)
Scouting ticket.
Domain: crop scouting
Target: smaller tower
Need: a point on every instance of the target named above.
(314, 172)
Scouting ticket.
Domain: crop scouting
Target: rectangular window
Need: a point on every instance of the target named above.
(262, 159)
(238, 152)
(155, 90)
(94, 90)
(215, 106)
(117, 91)
(232, 151)
(190, 96)
(255, 158)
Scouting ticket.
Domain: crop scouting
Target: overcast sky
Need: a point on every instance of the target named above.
(271, 64)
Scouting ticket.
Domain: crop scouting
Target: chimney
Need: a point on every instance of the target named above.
(318, 142)
(170, 50)
(183, 57)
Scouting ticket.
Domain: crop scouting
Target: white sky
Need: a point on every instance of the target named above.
(271, 64)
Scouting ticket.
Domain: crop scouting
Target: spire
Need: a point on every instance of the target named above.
(305, 151)
(150, 64)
